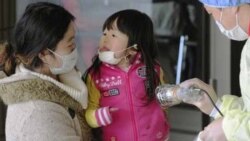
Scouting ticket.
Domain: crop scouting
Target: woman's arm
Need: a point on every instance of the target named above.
(40, 121)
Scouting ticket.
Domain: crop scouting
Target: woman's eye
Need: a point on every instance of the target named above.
(113, 35)
(72, 45)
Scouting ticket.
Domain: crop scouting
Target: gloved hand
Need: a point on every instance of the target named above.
(204, 104)
(213, 132)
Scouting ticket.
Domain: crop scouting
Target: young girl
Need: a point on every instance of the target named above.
(122, 80)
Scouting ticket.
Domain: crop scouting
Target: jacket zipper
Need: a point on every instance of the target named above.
(131, 107)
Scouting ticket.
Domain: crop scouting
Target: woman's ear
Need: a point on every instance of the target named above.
(235, 9)
(43, 55)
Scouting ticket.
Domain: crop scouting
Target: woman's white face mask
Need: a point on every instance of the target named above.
(109, 56)
(68, 62)
(236, 33)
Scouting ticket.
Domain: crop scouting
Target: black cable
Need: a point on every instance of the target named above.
(213, 102)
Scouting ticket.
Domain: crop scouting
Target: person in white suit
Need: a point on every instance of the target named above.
(233, 20)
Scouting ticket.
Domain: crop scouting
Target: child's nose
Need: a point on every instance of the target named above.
(106, 39)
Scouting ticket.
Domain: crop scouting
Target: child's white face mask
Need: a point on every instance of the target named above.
(236, 33)
(68, 62)
(109, 56)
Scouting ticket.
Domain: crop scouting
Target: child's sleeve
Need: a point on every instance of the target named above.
(96, 116)
(93, 102)
(162, 77)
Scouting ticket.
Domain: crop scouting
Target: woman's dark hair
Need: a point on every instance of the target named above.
(6, 57)
(139, 29)
(41, 26)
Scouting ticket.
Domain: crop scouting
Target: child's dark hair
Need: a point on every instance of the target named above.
(41, 26)
(139, 29)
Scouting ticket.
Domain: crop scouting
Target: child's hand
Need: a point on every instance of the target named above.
(104, 115)
(113, 109)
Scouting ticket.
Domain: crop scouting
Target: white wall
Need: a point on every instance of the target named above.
(92, 14)
(219, 60)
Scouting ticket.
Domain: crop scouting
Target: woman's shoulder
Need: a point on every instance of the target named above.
(25, 90)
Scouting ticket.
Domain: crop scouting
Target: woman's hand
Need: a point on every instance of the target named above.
(205, 104)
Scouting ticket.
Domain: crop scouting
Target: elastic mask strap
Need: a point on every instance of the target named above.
(133, 46)
(237, 21)
(54, 52)
(221, 13)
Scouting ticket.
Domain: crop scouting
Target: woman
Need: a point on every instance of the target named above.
(233, 20)
(45, 95)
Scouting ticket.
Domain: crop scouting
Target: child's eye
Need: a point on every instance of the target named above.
(113, 35)
(104, 34)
